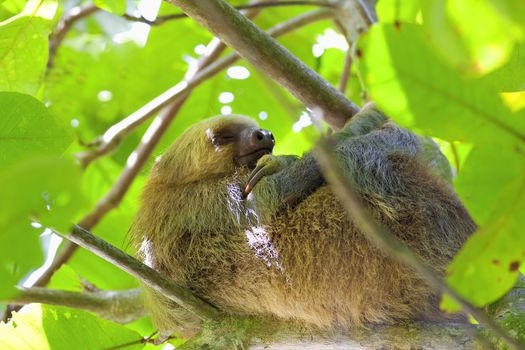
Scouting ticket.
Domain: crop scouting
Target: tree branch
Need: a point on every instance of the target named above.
(266, 54)
(116, 133)
(345, 75)
(63, 27)
(258, 5)
(143, 273)
(120, 306)
(392, 246)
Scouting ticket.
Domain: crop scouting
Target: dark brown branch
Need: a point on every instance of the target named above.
(115, 134)
(143, 273)
(63, 27)
(392, 246)
(266, 54)
(123, 306)
(258, 5)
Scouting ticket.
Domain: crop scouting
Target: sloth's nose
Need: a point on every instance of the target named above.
(263, 138)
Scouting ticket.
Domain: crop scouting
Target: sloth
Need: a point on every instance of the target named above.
(257, 234)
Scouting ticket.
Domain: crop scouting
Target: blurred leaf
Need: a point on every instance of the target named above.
(24, 47)
(448, 304)
(13, 6)
(9, 280)
(36, 183)
(114, 77)
(44, 188)
(44, 327)
(510, 76)
(511, 9)
(117, 7)
(65, 279)
(469, 34)
(405, 78)
(393, 11)
(28, 128)
(514, 100)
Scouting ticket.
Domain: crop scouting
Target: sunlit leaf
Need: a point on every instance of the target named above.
(511, 9)
(393, 11)
(487, 266)
(46, 327)
(407, 80)
(486, 178)
(24, 47)
(510, 76)
(470, 34)
(117, 7)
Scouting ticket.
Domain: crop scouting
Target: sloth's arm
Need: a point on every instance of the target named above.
(362, 150)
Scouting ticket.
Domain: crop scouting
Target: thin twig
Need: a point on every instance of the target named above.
(261, 50)
(123, 306)
(391, 245)
(116, 133)
(258, 5)
(63, 27)
(345, 75)
(143, 273)
(367, 11)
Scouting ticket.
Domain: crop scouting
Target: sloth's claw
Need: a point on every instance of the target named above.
(266, 165)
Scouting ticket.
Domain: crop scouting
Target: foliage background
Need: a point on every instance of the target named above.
(447, 69)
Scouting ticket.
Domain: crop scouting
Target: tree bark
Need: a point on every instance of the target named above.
(261, 50)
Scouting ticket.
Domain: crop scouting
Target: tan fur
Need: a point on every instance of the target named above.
(308, 263)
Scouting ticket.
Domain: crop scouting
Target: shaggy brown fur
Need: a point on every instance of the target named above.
(302, 260)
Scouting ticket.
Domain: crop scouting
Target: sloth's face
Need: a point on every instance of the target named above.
(247, 142)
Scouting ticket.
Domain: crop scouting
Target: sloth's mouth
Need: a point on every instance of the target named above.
(250, 159)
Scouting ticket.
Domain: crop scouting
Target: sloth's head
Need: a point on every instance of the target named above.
(214, 147)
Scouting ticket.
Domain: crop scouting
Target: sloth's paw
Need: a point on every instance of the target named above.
(267, 165)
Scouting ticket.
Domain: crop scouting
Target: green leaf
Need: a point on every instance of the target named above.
(485, 188)
(9, 280)
(513, 10)
(46, 327)
(36, 183)
(487, 266)
(448, 304)
(395, 11)
(24, 47)
(407, 80)
(28, 128)
(117, 7)
(46, 189)
(65, 279)
(511, 76)
(469, 34)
